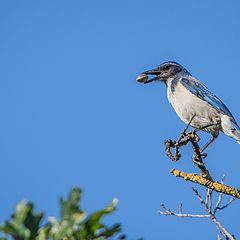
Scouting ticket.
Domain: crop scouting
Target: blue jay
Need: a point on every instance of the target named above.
(193, 102)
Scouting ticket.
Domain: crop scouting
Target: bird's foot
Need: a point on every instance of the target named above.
(184, 132)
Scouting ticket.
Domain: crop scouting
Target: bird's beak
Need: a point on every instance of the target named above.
(143, 77)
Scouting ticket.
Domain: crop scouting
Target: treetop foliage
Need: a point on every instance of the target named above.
(74, 223)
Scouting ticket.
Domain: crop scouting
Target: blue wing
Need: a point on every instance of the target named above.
(201, 91)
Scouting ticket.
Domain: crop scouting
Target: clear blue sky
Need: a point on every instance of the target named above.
(72, 113)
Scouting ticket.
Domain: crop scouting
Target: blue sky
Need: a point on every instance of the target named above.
(72, 113)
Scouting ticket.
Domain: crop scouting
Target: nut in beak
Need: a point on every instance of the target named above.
(142, 78)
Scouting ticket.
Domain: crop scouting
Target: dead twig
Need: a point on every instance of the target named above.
(220, 227)
(168, 212)
(208, 208)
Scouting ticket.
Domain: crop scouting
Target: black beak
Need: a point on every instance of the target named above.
(152, 72)
(143, 77)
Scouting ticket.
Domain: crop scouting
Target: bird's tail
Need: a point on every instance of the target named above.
(231, 128)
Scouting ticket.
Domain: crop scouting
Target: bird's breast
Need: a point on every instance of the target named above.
(187, 104)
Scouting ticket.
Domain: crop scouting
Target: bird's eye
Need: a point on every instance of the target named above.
(165, 68)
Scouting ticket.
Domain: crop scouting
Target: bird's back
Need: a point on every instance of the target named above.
(201, 91)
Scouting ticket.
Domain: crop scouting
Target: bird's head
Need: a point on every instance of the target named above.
(165, 71)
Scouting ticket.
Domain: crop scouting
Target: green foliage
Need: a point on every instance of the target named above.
(74, 223)
(24, 223)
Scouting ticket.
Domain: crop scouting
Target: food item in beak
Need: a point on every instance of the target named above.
(142, 78)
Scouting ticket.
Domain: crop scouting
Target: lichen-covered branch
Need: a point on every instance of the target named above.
(204, 178)
(216, 186)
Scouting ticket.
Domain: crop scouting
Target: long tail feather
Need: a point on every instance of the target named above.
(231, 128)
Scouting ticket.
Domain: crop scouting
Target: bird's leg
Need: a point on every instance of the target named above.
(183, 133)
(202, 128)
(183, 140)
(186, 128)
(208, 143)
(204, 155)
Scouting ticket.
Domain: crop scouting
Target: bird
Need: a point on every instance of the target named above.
(193, 102)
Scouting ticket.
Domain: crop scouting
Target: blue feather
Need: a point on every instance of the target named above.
(201, 91)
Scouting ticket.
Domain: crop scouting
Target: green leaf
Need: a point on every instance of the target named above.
(92, 225)
(71, 217)
(23, 224)
(71, 205)
(43, 233)
(107, 232)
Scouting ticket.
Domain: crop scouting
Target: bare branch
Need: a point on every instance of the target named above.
(219, 197)
(181, 208)
(208, 208)
(226, 234)
(217, 207)
(218, 203)
(168, 212)
(204, 179)
(208, 200)
(224, 206)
